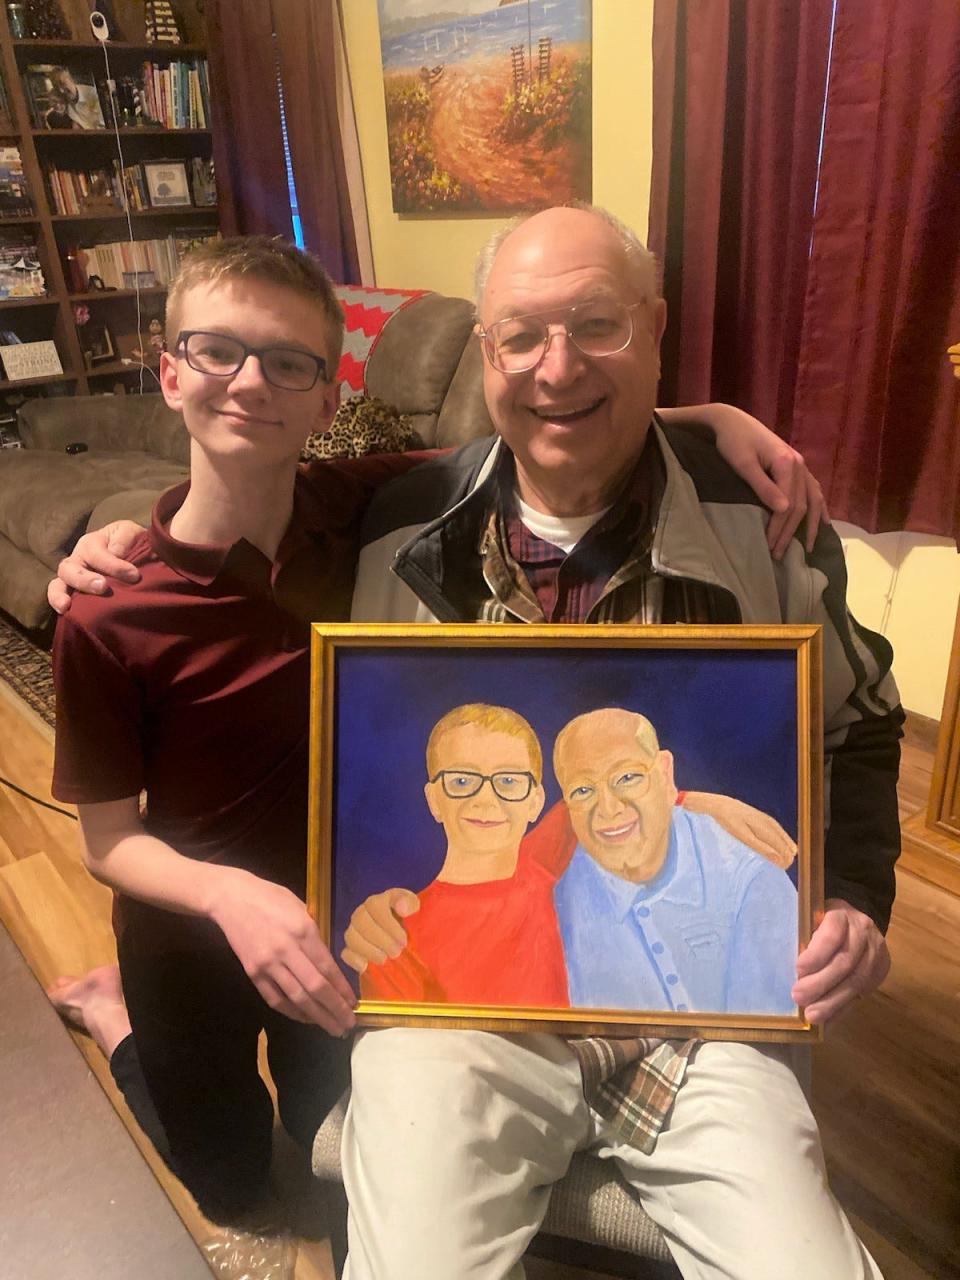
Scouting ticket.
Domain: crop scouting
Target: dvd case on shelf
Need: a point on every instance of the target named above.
(15, 198)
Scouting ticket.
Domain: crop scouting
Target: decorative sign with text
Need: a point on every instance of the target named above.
(25, 360)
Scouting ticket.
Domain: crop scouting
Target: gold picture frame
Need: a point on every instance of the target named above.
(738, 709)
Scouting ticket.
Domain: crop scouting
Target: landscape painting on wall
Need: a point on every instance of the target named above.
(488, 104)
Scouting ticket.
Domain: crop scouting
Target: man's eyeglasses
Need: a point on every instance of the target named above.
(288, 368)
(460, 784)
(598, 328)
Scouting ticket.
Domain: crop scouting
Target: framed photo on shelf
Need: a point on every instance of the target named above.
(97, 343)
(602, 829)
(62, 97)
(139, 279)
(167, 184)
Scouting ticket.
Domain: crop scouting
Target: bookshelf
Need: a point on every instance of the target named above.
(77, 186)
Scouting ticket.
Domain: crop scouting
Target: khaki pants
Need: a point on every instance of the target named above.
(454, 1139)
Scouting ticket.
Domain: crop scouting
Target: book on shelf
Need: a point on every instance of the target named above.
(203, 182)
(14, 190)
(21, 275)
(111, 260)
(62, 97)
(6, 115)
(79, 191)
(177, 94)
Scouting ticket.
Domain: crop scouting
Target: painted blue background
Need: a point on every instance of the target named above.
(729, 717)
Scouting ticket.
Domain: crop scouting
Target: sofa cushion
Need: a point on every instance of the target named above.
(108, 424)
(46, 498)
(418, 353)
(132, 504)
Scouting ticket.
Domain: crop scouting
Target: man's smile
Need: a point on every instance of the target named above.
(619, 833)
(568, 414)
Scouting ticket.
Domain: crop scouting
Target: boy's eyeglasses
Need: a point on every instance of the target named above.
(216, 354)
(598, 328)
(460, 784)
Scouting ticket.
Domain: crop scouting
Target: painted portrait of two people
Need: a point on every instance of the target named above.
(552, 829)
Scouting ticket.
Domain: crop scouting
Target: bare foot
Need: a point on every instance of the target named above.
(93, 1003)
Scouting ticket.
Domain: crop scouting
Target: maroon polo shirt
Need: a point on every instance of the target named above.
(192, 685)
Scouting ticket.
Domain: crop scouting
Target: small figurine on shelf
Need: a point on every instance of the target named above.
(155, 345)
(161, 22)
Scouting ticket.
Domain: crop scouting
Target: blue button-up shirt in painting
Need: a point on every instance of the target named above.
(715, 931)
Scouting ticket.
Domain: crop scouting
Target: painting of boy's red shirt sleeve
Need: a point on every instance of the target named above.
(551, 842)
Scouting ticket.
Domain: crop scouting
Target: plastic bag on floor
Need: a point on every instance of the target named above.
(244, 1255)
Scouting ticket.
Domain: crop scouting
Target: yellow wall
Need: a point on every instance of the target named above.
(902, 585)
(438, 252)
(906, 586)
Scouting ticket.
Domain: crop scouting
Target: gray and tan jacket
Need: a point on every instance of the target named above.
(422, 559)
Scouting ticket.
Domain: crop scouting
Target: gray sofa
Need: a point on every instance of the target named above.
(423, 363)
(136, 448)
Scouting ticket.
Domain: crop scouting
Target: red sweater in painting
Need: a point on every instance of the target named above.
(494, 943)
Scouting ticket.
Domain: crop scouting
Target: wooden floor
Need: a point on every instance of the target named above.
(886, 1083)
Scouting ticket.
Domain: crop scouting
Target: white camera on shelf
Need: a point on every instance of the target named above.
(98, 25)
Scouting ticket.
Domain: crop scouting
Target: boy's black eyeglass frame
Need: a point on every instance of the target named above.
(481, 778)
(183, 348)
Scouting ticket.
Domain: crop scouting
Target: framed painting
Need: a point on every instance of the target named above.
(571, 828)
(488, 104)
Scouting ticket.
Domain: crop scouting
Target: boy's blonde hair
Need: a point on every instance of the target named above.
(485, 716)
(267, 258)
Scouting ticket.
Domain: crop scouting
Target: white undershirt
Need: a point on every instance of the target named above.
(561, 531)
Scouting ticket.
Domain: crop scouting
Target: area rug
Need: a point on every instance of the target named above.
(25, 667)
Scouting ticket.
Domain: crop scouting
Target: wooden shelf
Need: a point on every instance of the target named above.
(156, 51)
(113, 215)
(7, 385)
(18, 219)
(116, 367)
(125, 132)
(47, 300)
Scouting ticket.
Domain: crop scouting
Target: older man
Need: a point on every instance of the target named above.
(661, 908)
(586, 510)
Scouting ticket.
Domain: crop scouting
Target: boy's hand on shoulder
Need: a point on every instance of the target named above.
(97, 556)
(277, 942)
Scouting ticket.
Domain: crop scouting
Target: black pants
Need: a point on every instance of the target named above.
(191, 1077)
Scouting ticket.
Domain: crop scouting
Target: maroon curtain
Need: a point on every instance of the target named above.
(306, 51)
(830, 326)
(877, 413)
(246, 59)
(247, 137)
(738, 98)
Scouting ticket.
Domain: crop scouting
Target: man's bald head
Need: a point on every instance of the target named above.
(618, 785)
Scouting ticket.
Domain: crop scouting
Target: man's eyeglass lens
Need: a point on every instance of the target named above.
(284, 367)
(459, 785)
(520, 342)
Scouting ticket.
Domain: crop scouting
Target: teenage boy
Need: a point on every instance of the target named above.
(191, 685)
